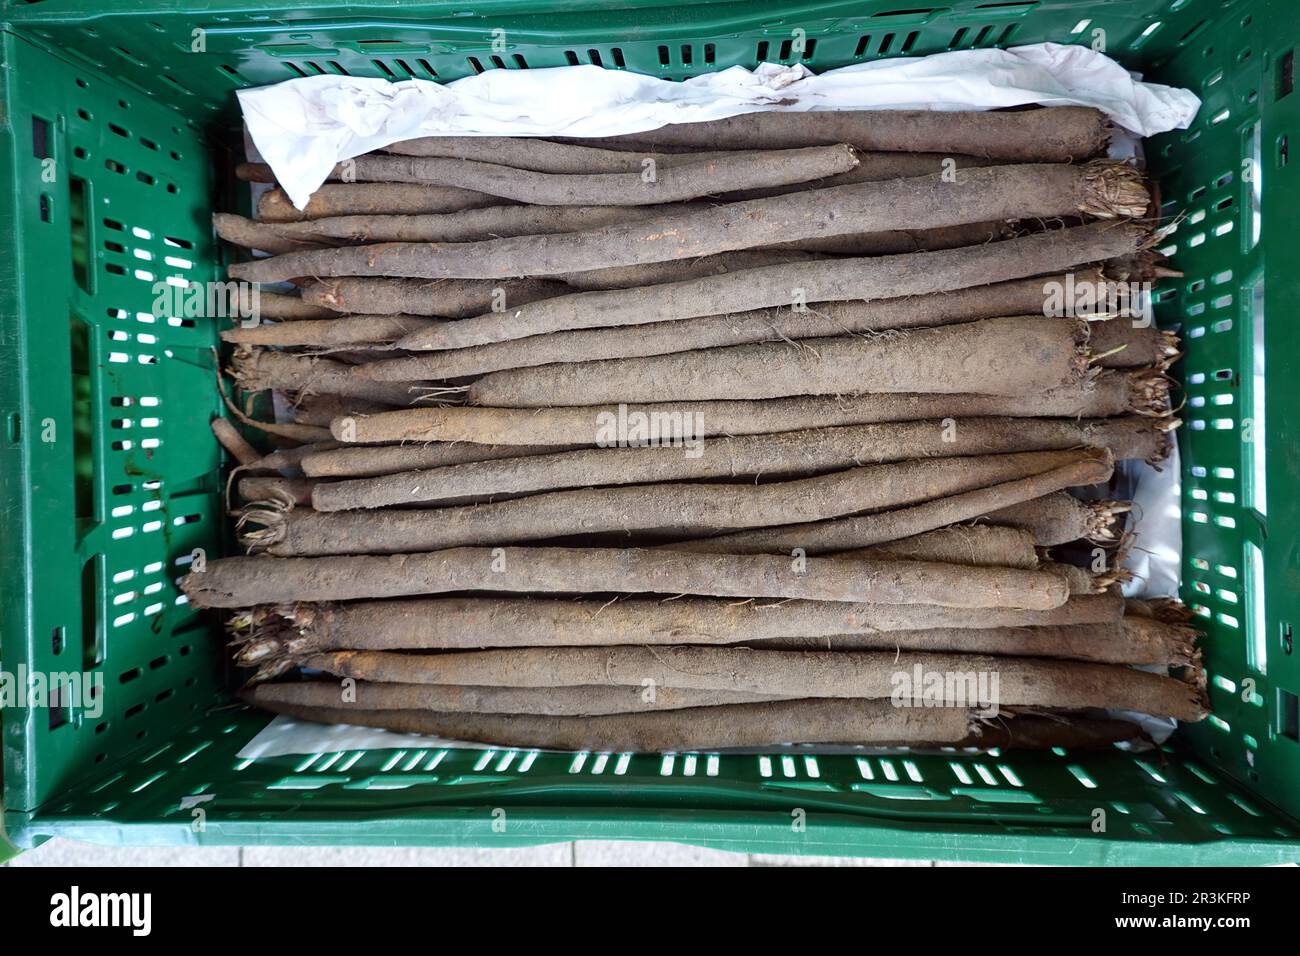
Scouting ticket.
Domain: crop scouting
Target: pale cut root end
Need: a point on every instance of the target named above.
(269, 515)
(1105, 520)
(1171, 349)
(1113, 190)
(271, 639)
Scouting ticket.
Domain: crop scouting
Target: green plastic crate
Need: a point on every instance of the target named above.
(108, 473)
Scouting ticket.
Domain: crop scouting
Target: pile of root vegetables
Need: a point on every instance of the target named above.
(728, 434)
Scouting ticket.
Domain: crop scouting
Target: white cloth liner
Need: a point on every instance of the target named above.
(302, 127)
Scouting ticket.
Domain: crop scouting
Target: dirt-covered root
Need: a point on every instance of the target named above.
(368, 199)
(873, 167)
(904, 677)
(678, 270)
(274, 637)
(450, 698)
(1086, 467)
(1111, 394)
(769, 456)
(242, 582)
(251, 234)
(898, 241)
(1128, 641)
(466, 225)
(677, 508)
(650, 185)
(267, 487)
(819, 320)
(540, 155)
(1060, 134)
(257, 369)
(789, 285)
(363, 462)
(1120, 343)
(316, 409)
(1165, 610)
(1078, 580)
(235, 444)
(442, 298)
(980, 545)
(1001, 192)
(870, 723)
(278, 306)
(1060, 517)
(326, 333)
(1043, 731)
(986, 357)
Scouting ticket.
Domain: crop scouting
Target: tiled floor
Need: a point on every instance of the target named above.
(589, 853)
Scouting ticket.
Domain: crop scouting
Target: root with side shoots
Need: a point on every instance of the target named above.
(872, 675)
(1015, 356)
(864, 531)
(674, 507)
(820, 320)
(258, 369)
(1060, 517)
(771, 456)
(461, 699)
(1101, 189)
(675, 182)
(880, 277)
(1105, 395)
(1132, 640)
(870, 723)
(443, 298)
(240, 582)
(981, 545)
(370, 199)
(275, 637)
(1060, 134)
(322, 333)
(289, 430)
